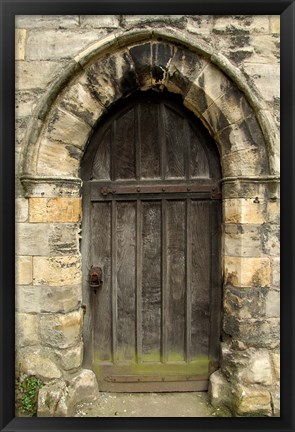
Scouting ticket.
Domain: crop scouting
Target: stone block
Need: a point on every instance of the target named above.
(258, 370)
(241, 25)
(53, 400)
(25, 102)
(27, 299)
(99, 21)
(242, 240)
(275, 21)
(247, 272)
(35, 74)
(209, 85)
(244, 211)
(44, 210)
(276, 403)
(46, 21)
(276, 364)
(35, 363)
(273, 212)
(135, 20)
(24, 270)
(162, 54)
(26, 329)
(21, 210)
(257, 333)
(201, 25)
(20, 44)
(61, 331)
(79, 101)
(70, 358)
(219, 390)
(42, 239)
(245, 162)
(245, 303)
(83, 387)
(67, 163)
(59, 299)
(59, 44)
(184, 67)
(252, 402)
(141, 56)
(57, 271)
(275, 267)
(266, 77)
(273, 304)
(65, 127)
(271, 239)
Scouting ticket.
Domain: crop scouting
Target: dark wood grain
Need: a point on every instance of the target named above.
(150, 149)
(151, 281)
(175, 303)
(101, 164)
(124, 147)
(173, 126)
(126, 243)
(199, 166)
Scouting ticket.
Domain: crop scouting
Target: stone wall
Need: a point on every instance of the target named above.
(57, 105)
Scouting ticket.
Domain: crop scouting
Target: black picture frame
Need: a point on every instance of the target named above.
(10, 8)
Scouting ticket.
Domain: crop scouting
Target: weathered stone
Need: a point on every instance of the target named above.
(276, 364)
(244, 211)
(53, 400)
(47, 21)
(276, 403)
(42, 367)
(209, 85)
(252, 402)
(271, 239)
(135, 20)
(57, 271)
(250, 161)
(258, 370)
(27, 299)
(244, 189)
(21, 210)
(247, 272)
(219, 390)
(273, 304)
(79, 101)
(266, 50)
(24, 270)
(267, 80)
(256, 333)
(67, 163)
(55, 187)
(35, 74)
(273, 211)
(184, 67)
(141, 56)
(20, 44)
(25, 102)
(65, 127)
(162, 55)
(200, 25)
(275, 21)
(99, 21)
(275, 266)
(54, 210)
(59, 44)
(83, 387)
(59, 299)
(70, 358)
(47, 239)
(237, 24)
(27, 329)
(242, 240)
(241, 303)
(61, 331)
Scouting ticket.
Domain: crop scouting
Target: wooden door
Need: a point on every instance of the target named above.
(151, 222)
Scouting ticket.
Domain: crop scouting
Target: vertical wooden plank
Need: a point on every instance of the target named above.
(150, 144)
(138, 282)
(101, 164)
(151, 280)
(164, 348)
(100, 244)
(200, 281)
(113, 152)
(174, 290)
(199, 166)
(188, 314)
(125, 247)
(125, 146)
(215, 288)
(173, 131)
(187, 149)
(114, 284)
(137, 140)
(162, 140)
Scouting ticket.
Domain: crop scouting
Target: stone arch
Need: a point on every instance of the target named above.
(210, 86)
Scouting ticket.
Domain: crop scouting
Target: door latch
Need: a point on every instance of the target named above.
(95, 278)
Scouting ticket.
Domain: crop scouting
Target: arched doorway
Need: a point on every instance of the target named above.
(151, 223)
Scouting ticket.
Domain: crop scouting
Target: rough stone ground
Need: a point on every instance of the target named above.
(191, 404)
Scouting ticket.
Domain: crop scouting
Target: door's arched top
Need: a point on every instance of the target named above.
(150, 136)
(104, 74)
